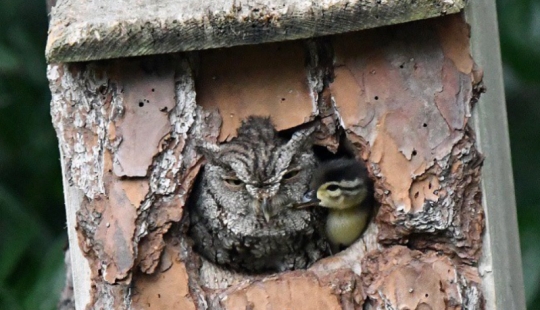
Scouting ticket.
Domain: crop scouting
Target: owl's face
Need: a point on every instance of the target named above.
(258, 176)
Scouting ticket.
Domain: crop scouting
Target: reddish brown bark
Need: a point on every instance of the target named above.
(402, 95)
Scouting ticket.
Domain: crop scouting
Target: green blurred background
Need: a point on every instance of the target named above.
(32, 220)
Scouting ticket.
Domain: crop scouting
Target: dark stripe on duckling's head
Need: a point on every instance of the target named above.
(343, 169)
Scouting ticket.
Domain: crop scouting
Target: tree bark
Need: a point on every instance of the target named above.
(402, 95)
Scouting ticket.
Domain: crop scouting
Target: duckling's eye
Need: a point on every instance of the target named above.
(290, 174)
(233, 182)
(332, 188)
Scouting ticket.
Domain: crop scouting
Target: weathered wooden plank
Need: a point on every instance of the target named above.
(500, 266)
(90, 30)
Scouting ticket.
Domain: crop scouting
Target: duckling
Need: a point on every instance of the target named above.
(344, 187)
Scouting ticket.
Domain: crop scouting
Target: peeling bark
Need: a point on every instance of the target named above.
(400, 278)
(402, 96)
(410, 93)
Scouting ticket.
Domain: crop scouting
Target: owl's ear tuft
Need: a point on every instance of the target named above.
(301, 138)
(300, 141)
(207, 149)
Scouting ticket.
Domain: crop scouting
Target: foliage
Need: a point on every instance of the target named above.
(32, 232)
(519, 24)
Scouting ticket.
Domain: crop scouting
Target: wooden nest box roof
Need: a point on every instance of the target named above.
(102, 29)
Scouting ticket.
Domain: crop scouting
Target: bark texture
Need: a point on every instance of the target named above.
(401, 94)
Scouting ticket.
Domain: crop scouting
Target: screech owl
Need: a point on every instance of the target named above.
(241, 209)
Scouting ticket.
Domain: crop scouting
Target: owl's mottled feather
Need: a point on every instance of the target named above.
(241, 212)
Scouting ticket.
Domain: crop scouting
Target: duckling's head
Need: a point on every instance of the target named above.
(340, 184)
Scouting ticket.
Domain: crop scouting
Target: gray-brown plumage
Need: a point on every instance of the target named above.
(242, 216)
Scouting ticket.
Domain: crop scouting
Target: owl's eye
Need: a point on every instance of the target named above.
(233, 182)
(291, 174)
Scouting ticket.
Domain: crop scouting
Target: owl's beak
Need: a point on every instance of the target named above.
(266, 209)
